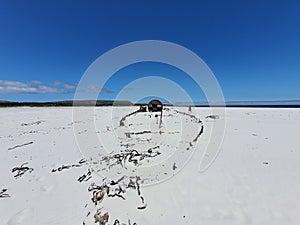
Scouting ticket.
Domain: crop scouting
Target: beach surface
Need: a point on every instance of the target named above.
(52, 173)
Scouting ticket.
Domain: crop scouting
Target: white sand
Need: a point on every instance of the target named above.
(254, 180)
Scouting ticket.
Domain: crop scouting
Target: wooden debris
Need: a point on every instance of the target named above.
(85, 177)
(3, 194)
(122, 121)
(199, 134)
(174, 166)
(33, 123)
(112, 183)
(18, 146)
(63, 167)
(131, 156)
(21, 170)
(194, 118)
(117, 222)
(142, 207)
(138, 133)
(109, 189)
(99, 193)
(101, 219)
(214, 117)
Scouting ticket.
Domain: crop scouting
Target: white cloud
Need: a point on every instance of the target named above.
(94, 88)
(34, 87)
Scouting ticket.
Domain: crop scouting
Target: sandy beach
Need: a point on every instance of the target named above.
(46, 179)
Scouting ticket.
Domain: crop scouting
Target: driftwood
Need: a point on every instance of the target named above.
(3, 194)
(199, 134)
(18, 146)
(85, 177)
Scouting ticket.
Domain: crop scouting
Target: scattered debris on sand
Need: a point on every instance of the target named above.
(112, 189)
(21, 170)
(101, 219)
(130, 156)
(30, 132)
(117, 188)
(214, 117)
(63, 167)
(33, 123)
(18, 146)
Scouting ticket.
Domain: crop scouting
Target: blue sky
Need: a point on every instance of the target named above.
(252, 47)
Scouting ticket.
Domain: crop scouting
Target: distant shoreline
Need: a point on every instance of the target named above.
(66, 103)
(100, 103)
